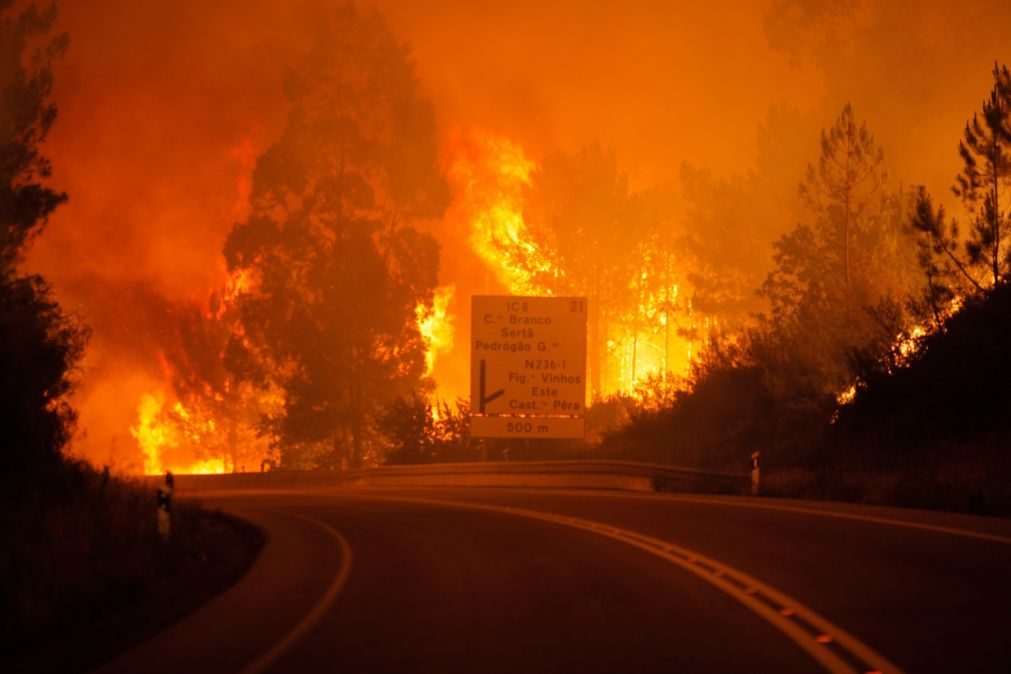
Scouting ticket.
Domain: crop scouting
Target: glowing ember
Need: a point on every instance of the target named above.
(847, 396)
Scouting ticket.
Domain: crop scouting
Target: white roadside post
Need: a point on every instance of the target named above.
(754, 474)
(165, 507)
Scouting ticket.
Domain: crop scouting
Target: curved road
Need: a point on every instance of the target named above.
(518, 580)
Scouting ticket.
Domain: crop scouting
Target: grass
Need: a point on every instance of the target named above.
(85, 574)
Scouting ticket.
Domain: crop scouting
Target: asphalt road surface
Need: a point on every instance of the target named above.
(519, 580)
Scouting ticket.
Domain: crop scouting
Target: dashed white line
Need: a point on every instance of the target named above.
(835, 649)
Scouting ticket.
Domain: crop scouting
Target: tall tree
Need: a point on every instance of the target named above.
(983, 183)
(831, 274)
(580, 212)
(660, 311)
(845, 192)
(26, 82)
(946, 274)
(338, 266)
(39, 345)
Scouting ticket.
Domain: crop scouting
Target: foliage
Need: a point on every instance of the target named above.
(26, 116)
(39, 344)
(580, 214)
(983, 183)
(338, 266)
(417, 431)
(85, 574)
(946, 407)
(224, 394)
(952, 387)
(856, 254)
(39, 347)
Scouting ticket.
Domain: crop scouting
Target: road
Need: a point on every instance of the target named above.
(520, 580)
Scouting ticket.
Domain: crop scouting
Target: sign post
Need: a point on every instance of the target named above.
(528, 367)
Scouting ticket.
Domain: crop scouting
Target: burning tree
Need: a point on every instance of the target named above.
(337, 267)
(581, 212)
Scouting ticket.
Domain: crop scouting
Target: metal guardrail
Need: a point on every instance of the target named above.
(602, 474)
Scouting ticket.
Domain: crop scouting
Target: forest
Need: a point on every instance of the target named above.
(785, 308)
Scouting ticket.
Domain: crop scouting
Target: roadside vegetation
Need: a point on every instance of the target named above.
(879, 371)
(873, 367)
(81, 564)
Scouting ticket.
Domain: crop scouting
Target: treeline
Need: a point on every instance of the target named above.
(79, 549)
(876, 372)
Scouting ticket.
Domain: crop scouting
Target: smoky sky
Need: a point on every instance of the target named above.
(164, 106)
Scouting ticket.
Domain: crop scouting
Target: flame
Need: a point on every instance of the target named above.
(161, 429)
(846, 397)
(436, 325)
(644, 342)
(489, 175)
(152, 436)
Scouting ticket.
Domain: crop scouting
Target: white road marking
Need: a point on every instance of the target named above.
(316, 612)
(953, 531)
(751, 502)
(826, 644)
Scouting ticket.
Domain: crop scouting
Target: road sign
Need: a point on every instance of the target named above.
(528, 366)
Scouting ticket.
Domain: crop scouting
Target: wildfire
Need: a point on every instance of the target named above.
(436, 325)
(158, 436)
(490, 175)
(211, 426)
(643, 328)
(151, 435)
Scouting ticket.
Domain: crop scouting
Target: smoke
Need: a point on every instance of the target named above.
(164, 107)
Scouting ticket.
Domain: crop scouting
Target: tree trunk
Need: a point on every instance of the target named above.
(666, 315)
(356, 417)
(846, 229)
(995, 248)
(594, 357)
(233, 429)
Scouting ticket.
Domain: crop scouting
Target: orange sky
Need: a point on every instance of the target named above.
(165, 104)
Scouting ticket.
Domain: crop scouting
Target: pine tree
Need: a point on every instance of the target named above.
(983, 183)
(831, 274)
(946, 274)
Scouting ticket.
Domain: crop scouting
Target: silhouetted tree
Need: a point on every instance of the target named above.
(830, 274)
(39, 345)
(26, 82)
(727, 219)
(946, 273)
(409, 428)
(984, 180)
(337, 267)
